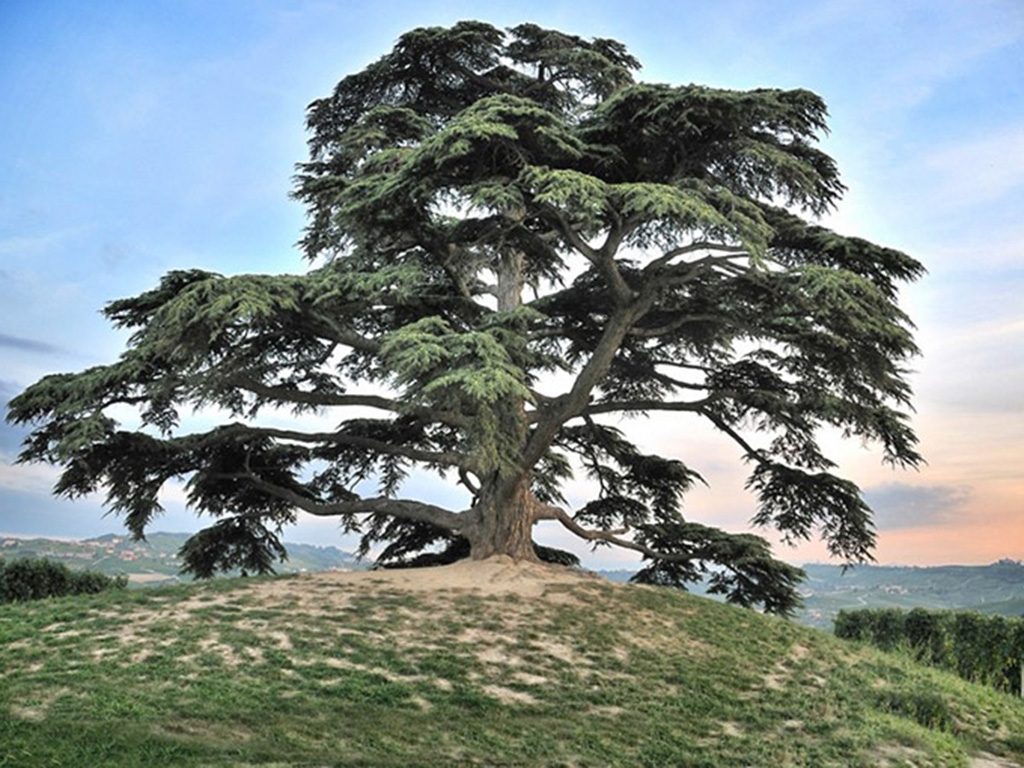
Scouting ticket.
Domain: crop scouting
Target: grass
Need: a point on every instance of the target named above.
(306, 672)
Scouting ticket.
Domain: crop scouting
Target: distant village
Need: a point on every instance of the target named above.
(90, 549)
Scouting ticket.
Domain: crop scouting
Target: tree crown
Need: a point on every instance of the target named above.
(490, 214)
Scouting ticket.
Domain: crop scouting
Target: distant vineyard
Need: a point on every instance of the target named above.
(979, 648)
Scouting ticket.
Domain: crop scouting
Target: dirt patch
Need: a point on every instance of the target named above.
(774, 681)
(561, 652)
(281, 640)
(495, 655)
(528, 679)
(780, 674)
(37, 711)
(387, 674)
(508, 696)
(985, 760)
(493, 576)
(212, 645)
(731, 729)
(890, 754)
(202, 731)
(149, 578)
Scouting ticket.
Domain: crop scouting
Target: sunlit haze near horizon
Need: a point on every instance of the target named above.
(137, 138)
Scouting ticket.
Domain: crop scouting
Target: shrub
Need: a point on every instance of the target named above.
(983, 649)
(35, 578)
(927, 636)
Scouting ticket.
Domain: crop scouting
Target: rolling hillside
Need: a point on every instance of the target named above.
(996, 588)
(477, 664)
(155, 560)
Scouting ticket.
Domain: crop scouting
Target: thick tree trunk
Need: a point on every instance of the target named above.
(505, 508)
(506, 512)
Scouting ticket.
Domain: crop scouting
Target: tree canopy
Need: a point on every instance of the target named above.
(512, 246)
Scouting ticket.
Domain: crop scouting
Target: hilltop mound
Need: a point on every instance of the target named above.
(488, 664)
(499, 575)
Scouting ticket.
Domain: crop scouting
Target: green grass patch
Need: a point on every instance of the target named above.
(274, 672)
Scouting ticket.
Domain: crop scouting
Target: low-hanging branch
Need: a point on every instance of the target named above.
(311, 397)
(440, 458)
(402, 508)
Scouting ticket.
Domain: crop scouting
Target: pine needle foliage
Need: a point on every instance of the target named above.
(512, 246)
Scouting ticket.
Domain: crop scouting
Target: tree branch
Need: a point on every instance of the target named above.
(550, 512)
(733, 252)
(448, 458)
(679, 322)
(339, 333)
(603, 258)
(561, 409)
(402, 508)
(370, 401)
(646, 405)
(753, 452)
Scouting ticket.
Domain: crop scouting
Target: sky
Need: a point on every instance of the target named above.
(136, 138)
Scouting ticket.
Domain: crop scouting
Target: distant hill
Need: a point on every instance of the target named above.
(997, 588)
(155, 560)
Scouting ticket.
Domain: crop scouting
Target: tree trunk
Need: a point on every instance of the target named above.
(506, 508)
(504, 525)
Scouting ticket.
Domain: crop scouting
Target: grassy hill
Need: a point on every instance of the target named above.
(475, 664)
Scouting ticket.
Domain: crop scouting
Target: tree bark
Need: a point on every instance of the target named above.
(505, 509)
(503, 524)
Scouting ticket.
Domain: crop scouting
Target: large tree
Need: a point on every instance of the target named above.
(513, 245)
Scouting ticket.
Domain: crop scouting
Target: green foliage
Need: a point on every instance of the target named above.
(748, 574)
(979, 648)
(38, 578)
(924, 706)
(237, 542)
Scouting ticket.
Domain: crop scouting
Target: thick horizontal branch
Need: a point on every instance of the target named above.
(609, 406)
(343, 335)
(681, 364)
(680, 274)
(401, 508)
(675, 325)
(550, 512)
(731, 251)
(446, 458)
(678, 383)
(291, 395)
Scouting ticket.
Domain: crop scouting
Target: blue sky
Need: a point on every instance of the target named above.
(141, 137)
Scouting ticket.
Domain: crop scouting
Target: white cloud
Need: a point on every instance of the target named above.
(27, 478)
